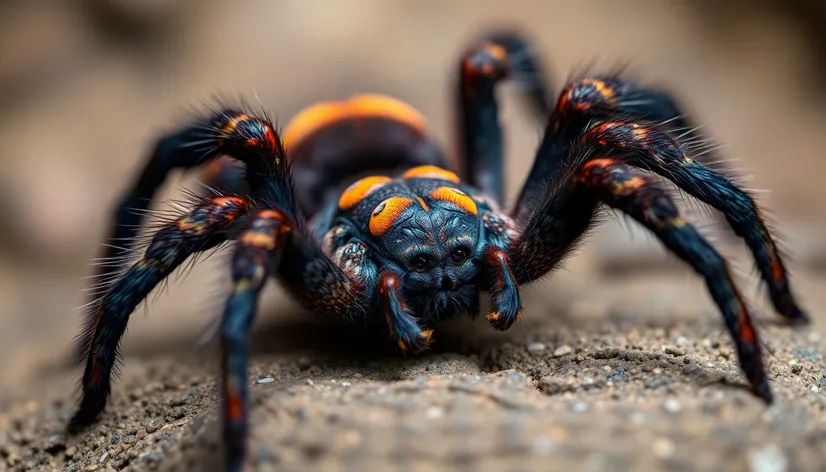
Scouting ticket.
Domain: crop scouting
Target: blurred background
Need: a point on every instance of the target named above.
(86, 85)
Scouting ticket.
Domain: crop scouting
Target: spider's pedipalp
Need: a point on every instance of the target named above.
(201, 229)
(505, 303)
(256, 255)
(403, 326)
(650, 205)
(652, 148)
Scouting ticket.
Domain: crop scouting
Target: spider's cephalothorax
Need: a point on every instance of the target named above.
(353, 209)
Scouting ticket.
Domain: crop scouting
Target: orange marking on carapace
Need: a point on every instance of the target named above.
(431, 172)
(233, 123)
(386, 214)
(423, 204)
(361, 189)
(319, 116)
(455, 197)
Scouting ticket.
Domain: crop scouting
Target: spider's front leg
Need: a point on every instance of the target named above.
(590, 98)
(565, 215)
(487, 62)
(343, 285)
(203, 228)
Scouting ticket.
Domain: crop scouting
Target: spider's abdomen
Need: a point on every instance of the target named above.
(332, 144)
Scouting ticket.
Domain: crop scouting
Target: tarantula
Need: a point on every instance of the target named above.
(353, 210)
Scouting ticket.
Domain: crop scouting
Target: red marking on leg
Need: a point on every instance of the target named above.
(389, 281)
(746, 329)
(235, 410)
(271, 139)
(497, 259)
(271, 215)
(599, 129)
(229, 128)
(778, 274)
(94, 374)
(603, 162)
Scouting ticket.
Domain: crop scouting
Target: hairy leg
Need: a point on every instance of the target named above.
(582, 100)
(613, 184)
(652, 148)
(256, 255)
(490, 60)
(246, 138)
(203, 228)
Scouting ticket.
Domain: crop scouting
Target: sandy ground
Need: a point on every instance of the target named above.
(621, 362)
(584, 387)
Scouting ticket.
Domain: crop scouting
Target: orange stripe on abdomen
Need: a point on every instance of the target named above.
(322, 115)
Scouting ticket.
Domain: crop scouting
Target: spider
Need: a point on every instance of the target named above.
(354, 211)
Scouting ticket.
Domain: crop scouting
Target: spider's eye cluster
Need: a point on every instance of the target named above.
(421, 262)
(460, 254)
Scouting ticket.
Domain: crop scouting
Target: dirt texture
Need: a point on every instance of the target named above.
(621, 362)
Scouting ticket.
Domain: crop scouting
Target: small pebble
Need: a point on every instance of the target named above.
(671, 405)
(681, 340)
(663, 448)
(673, 351)
(536, 347)
(265, 380)
(607, 368)
(769, 458)
(563, 350)
(815, 388)
(579, 407)
(434, 412)
(103, 457)
(309, 382)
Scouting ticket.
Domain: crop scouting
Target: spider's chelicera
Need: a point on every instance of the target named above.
(354, 211)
